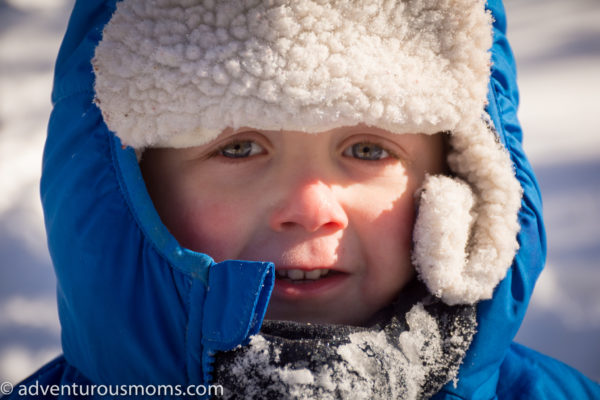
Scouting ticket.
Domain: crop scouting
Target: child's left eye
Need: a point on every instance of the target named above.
(241, 149)
(366, 151)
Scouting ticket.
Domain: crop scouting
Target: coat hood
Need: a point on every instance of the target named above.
(136, 307)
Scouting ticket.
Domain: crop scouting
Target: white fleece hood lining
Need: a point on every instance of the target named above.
(176, 73)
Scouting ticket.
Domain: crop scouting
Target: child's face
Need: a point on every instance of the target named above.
(338, 201)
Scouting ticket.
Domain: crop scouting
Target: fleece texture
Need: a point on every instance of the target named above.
(176, 73)
(465, 233)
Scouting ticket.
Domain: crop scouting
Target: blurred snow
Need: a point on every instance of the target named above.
(30, 34)
(557, 46)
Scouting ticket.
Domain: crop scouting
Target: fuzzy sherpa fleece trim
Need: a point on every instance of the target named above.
(465, 233)
(175, 73)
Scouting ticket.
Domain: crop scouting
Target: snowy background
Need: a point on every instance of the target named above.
(557, 46)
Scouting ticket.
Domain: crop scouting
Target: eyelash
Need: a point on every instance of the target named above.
(219, 152)
(240, 144)
(347, 152)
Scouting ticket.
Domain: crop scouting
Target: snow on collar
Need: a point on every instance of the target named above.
(175, 73)
(410, 352)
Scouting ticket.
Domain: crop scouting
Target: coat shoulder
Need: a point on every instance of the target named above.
(527, 374)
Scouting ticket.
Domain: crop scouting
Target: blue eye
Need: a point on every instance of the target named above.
(366, 151)
(241, 149)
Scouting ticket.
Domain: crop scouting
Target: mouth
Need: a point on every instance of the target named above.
(302, 276)
(297, 284)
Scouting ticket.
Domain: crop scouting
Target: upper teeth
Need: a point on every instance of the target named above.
(298, 274)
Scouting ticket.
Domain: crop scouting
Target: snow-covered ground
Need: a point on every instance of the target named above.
(30, 33)
(557, 46)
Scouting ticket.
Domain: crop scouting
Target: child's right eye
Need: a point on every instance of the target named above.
(241, 149)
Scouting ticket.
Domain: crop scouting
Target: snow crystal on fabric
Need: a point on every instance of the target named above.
(406, 363)
(409, 362)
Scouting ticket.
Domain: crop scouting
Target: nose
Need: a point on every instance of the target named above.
(311, 206)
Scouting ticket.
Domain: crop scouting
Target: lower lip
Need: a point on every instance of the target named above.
(287, 289)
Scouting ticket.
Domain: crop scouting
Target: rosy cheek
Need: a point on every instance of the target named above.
(390, 241)
(398, 229)
(405, 229)
(395, 223)
(214, 228)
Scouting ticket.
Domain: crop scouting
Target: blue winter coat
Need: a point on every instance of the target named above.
(136, 308)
